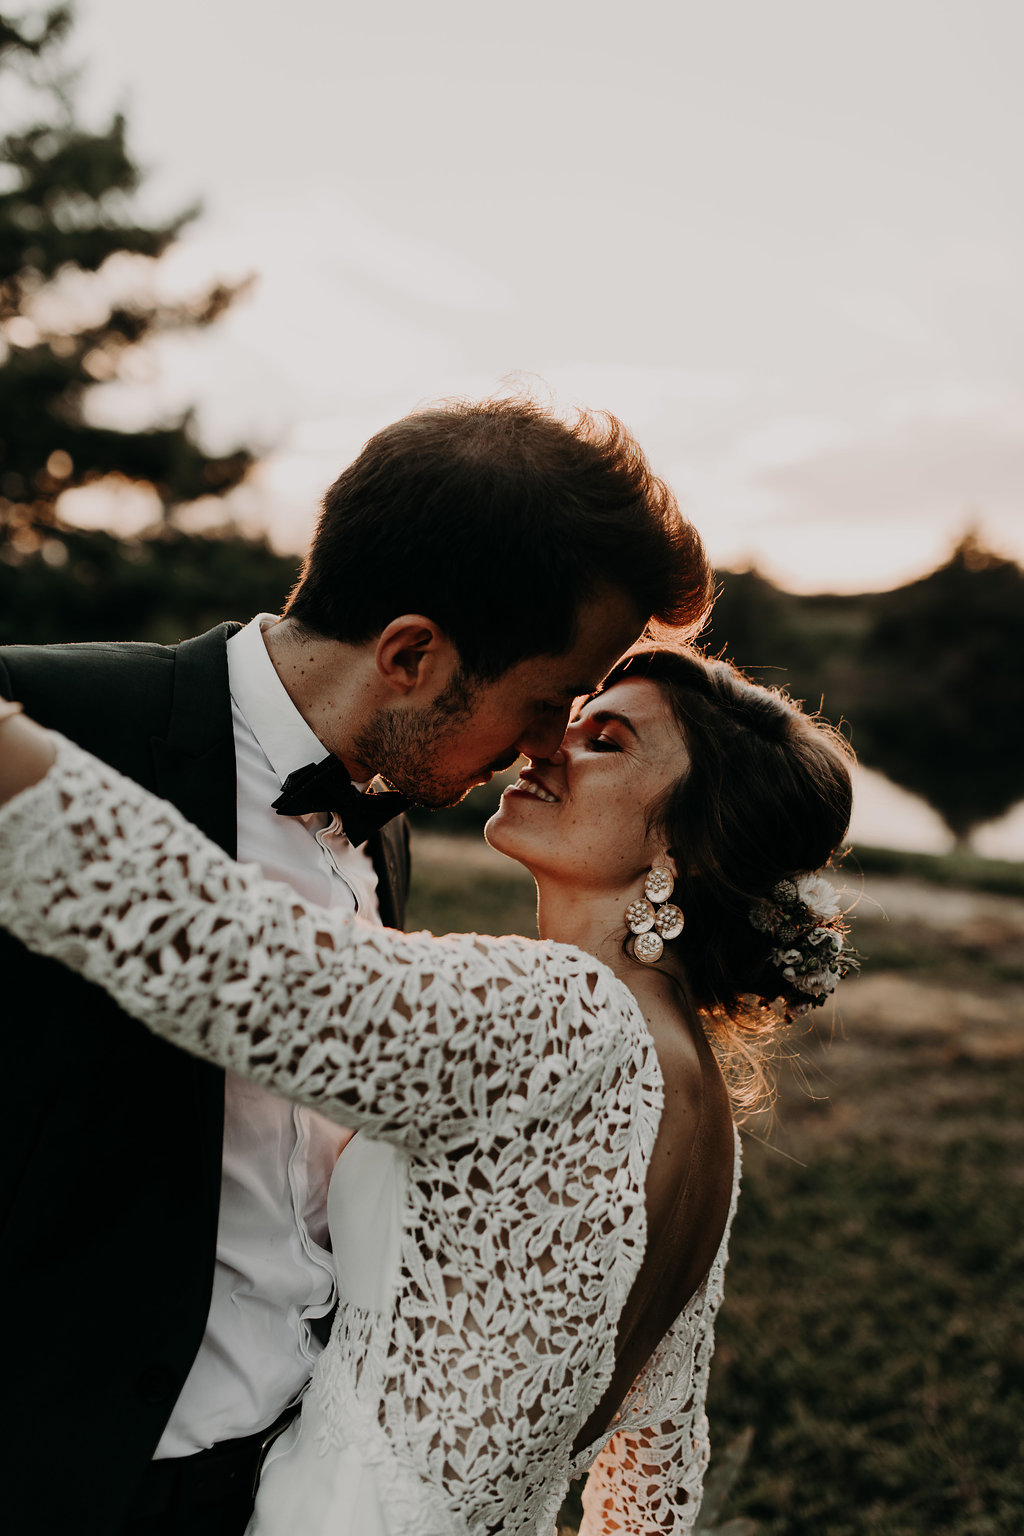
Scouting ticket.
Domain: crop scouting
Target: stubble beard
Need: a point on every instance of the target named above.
(401, 746)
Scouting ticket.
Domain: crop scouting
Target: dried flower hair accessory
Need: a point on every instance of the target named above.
(802, 916)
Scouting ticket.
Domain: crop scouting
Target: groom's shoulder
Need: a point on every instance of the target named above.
(45, 675)
(82, 657)
(131, 677)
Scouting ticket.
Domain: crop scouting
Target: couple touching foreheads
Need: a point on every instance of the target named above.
(465, 1199)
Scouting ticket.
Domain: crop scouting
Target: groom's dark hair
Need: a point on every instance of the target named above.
(498, 520)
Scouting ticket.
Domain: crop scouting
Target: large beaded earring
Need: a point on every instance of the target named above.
(653, 925)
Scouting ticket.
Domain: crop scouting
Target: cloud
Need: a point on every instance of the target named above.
(917, 470)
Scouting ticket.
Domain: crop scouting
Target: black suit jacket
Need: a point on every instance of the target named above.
(111, 1138)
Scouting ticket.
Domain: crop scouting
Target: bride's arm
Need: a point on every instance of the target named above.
(413, 1037)
(26, 751)
(647, 1482)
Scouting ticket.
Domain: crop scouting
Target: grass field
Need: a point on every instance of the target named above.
(873, 1331)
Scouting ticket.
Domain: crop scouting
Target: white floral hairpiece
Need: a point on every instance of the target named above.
(801, 916)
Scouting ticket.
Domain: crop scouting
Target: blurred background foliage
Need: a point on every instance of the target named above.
(74, 304)
(929, 677)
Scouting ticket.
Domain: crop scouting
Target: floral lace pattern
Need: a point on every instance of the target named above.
(521, 1083)
(662, 1424)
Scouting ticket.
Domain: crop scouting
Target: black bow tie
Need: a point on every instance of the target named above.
(326, 786)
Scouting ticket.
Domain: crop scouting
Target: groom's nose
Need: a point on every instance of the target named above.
(544, 735)
(554, 759)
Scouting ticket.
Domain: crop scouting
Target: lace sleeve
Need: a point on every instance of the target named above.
(646, 1482)
(408, 1035)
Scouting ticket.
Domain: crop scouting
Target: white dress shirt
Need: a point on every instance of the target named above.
(273, 1273)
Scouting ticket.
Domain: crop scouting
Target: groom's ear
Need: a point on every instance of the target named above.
(414, 655)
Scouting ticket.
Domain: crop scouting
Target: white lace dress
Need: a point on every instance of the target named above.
(489, 1219)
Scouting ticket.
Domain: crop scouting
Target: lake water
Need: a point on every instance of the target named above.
(885, 816)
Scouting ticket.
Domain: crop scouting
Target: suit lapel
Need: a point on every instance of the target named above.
(195, 762)
(389, 850)
(195, 766)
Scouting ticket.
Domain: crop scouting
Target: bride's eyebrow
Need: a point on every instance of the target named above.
(612, 717)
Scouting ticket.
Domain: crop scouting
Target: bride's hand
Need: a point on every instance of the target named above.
(26, 751)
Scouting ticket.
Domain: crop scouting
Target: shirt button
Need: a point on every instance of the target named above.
(155, 1384)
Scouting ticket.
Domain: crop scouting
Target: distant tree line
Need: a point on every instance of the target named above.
(927, 680)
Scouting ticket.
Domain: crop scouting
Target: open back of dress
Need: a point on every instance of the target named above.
(688, 1206)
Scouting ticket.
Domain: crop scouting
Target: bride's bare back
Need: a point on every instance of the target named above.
(688, 1193)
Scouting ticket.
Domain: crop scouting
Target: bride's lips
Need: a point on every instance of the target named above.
(531, 784)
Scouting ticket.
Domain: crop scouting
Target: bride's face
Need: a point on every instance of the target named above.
(580, 816)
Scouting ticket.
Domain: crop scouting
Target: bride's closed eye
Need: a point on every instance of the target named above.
(601, 744)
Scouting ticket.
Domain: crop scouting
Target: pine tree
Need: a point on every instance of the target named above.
(66, 199)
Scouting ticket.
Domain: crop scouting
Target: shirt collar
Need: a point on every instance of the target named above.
(284, 738)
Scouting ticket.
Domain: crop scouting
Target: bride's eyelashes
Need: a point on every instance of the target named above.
(601, 744)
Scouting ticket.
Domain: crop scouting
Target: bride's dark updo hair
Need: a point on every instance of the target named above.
(767, 798)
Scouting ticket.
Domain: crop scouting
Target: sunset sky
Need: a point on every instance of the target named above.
(782, 239)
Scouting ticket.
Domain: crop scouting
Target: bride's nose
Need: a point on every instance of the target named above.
(555, 759)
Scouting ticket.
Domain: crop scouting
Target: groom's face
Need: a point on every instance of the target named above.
(472, 730)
